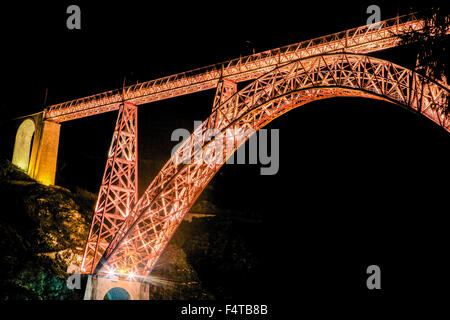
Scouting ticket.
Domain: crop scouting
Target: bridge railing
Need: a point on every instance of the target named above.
(362, 39)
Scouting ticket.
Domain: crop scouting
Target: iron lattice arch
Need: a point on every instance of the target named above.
(149, 227)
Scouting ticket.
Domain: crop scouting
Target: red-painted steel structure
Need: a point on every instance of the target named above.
(144, 234)
(119, 191)
(127, 237)
(363, 39)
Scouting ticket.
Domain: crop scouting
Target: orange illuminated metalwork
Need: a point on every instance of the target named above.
(147, 230)
(118, 192)
(358, 40)
(128, 237)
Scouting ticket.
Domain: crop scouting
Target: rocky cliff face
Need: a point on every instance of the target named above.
(43, 231)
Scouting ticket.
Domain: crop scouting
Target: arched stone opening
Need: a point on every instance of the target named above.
(117, 293)
(23, 144)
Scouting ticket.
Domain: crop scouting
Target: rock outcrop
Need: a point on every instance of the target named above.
(43, 232)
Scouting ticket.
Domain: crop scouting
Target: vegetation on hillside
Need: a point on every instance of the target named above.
(44, 230)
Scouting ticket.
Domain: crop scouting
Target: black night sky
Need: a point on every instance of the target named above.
(360, 182)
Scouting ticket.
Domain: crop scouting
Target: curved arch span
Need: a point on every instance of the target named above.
(147, 230)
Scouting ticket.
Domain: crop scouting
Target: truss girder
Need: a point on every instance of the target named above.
(225, 90)
(363, 39)
(118, 190)
(147, 230)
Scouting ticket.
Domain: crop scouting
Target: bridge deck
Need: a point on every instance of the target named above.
(358, 40)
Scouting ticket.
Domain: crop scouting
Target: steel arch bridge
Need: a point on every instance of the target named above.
(128, 234)
(145, 232)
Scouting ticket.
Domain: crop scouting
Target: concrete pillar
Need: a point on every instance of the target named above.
(101, 285)
(44, 154)
(89, 289)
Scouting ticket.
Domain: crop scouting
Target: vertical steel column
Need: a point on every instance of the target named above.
(225, 89)
(119, 190)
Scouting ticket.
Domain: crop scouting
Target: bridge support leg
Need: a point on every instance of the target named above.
(89, 289)
(225, 89)
(118, 191)
(44, 158)
(101, 286)
(36, 148)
